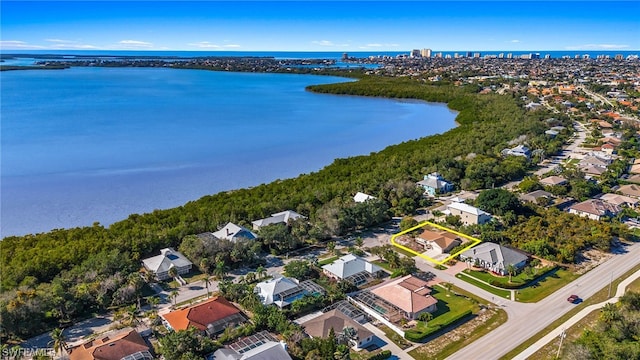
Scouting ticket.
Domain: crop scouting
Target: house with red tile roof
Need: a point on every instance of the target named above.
(210, 317)
(410, 294)
(128, 345)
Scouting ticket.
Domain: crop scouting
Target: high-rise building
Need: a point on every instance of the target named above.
(415, 53)
(345, 56)
(501, 56)
(469, 53)
(547, 56)
(618, 57)
(426, 53)
(476, 55)
(509, 56)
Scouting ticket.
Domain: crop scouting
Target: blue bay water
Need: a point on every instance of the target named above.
(97, 144)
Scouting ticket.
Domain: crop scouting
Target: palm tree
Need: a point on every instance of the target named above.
(207, 282)
(511, 270)
(204, 265)
(173, 272)
(174, 295)
(220, 271)
(58, 340)
(250, 277)
(131, 316)
(261, 271)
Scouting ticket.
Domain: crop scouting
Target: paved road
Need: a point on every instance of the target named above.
(622, 287)
(526, 320)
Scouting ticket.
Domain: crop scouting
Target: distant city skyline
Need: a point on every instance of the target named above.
(320, 25)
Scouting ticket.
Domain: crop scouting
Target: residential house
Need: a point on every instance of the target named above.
(282, 291)
(211, 317)
(233, 232)
(634, 179)
(440, 241)
(631, 190)
(410, 294)
(553, 181)
(494, 257)
(592, 171)
(321, 327)
(128, 345)
(361, 197)
(620, 200)
(595, 209)
(282, 217)
(260, 346)
(168, 258)
(434, 184)
(634, 169)
(535, 195)
(352, 268)
(520, 150)
(595, 161)
(469, 215)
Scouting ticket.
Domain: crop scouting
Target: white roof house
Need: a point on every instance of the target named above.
(277, 218)
(468, 214)
(361, 197)
(494, 257)
(234, 232)
(282, 291)
(167, 259)
(350, 265)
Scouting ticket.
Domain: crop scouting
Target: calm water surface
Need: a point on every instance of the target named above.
(97, 144)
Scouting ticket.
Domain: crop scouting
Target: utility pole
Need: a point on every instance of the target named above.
(562, 336)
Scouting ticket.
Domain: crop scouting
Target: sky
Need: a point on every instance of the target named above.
(320, 25)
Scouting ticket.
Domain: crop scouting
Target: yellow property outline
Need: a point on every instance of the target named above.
(474, 242)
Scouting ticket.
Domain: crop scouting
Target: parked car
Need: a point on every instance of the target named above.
(573, 299)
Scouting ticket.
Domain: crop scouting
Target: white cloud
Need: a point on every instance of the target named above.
(598, 47)
(376, 45)
(69, 44)
(209, 45)
(18, 45)
(514, 41)
(328, 43)
(135, 44)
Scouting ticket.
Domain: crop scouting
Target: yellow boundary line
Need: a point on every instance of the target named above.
(474, 242)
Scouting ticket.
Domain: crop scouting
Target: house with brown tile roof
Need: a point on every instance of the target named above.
(595, 209)
(211, 317)
(634, 179)
(620, 200)
(410, 294)
(321, 327)
(442, 241)
(631, 190)
(128, 345)
(554, 180)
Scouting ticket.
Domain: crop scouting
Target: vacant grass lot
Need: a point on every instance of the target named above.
(503, 281)
(545, 287)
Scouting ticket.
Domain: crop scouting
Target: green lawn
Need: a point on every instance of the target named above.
(393, 336)
(327, 261)
(503, 281)
(383, 264)
(546, 286)
(498, 292)
(451, 308)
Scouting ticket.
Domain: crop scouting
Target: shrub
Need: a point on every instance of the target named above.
(381, 355)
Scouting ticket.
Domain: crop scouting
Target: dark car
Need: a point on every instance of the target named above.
(573, 298)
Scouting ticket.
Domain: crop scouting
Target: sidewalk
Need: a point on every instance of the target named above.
(567, 324)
